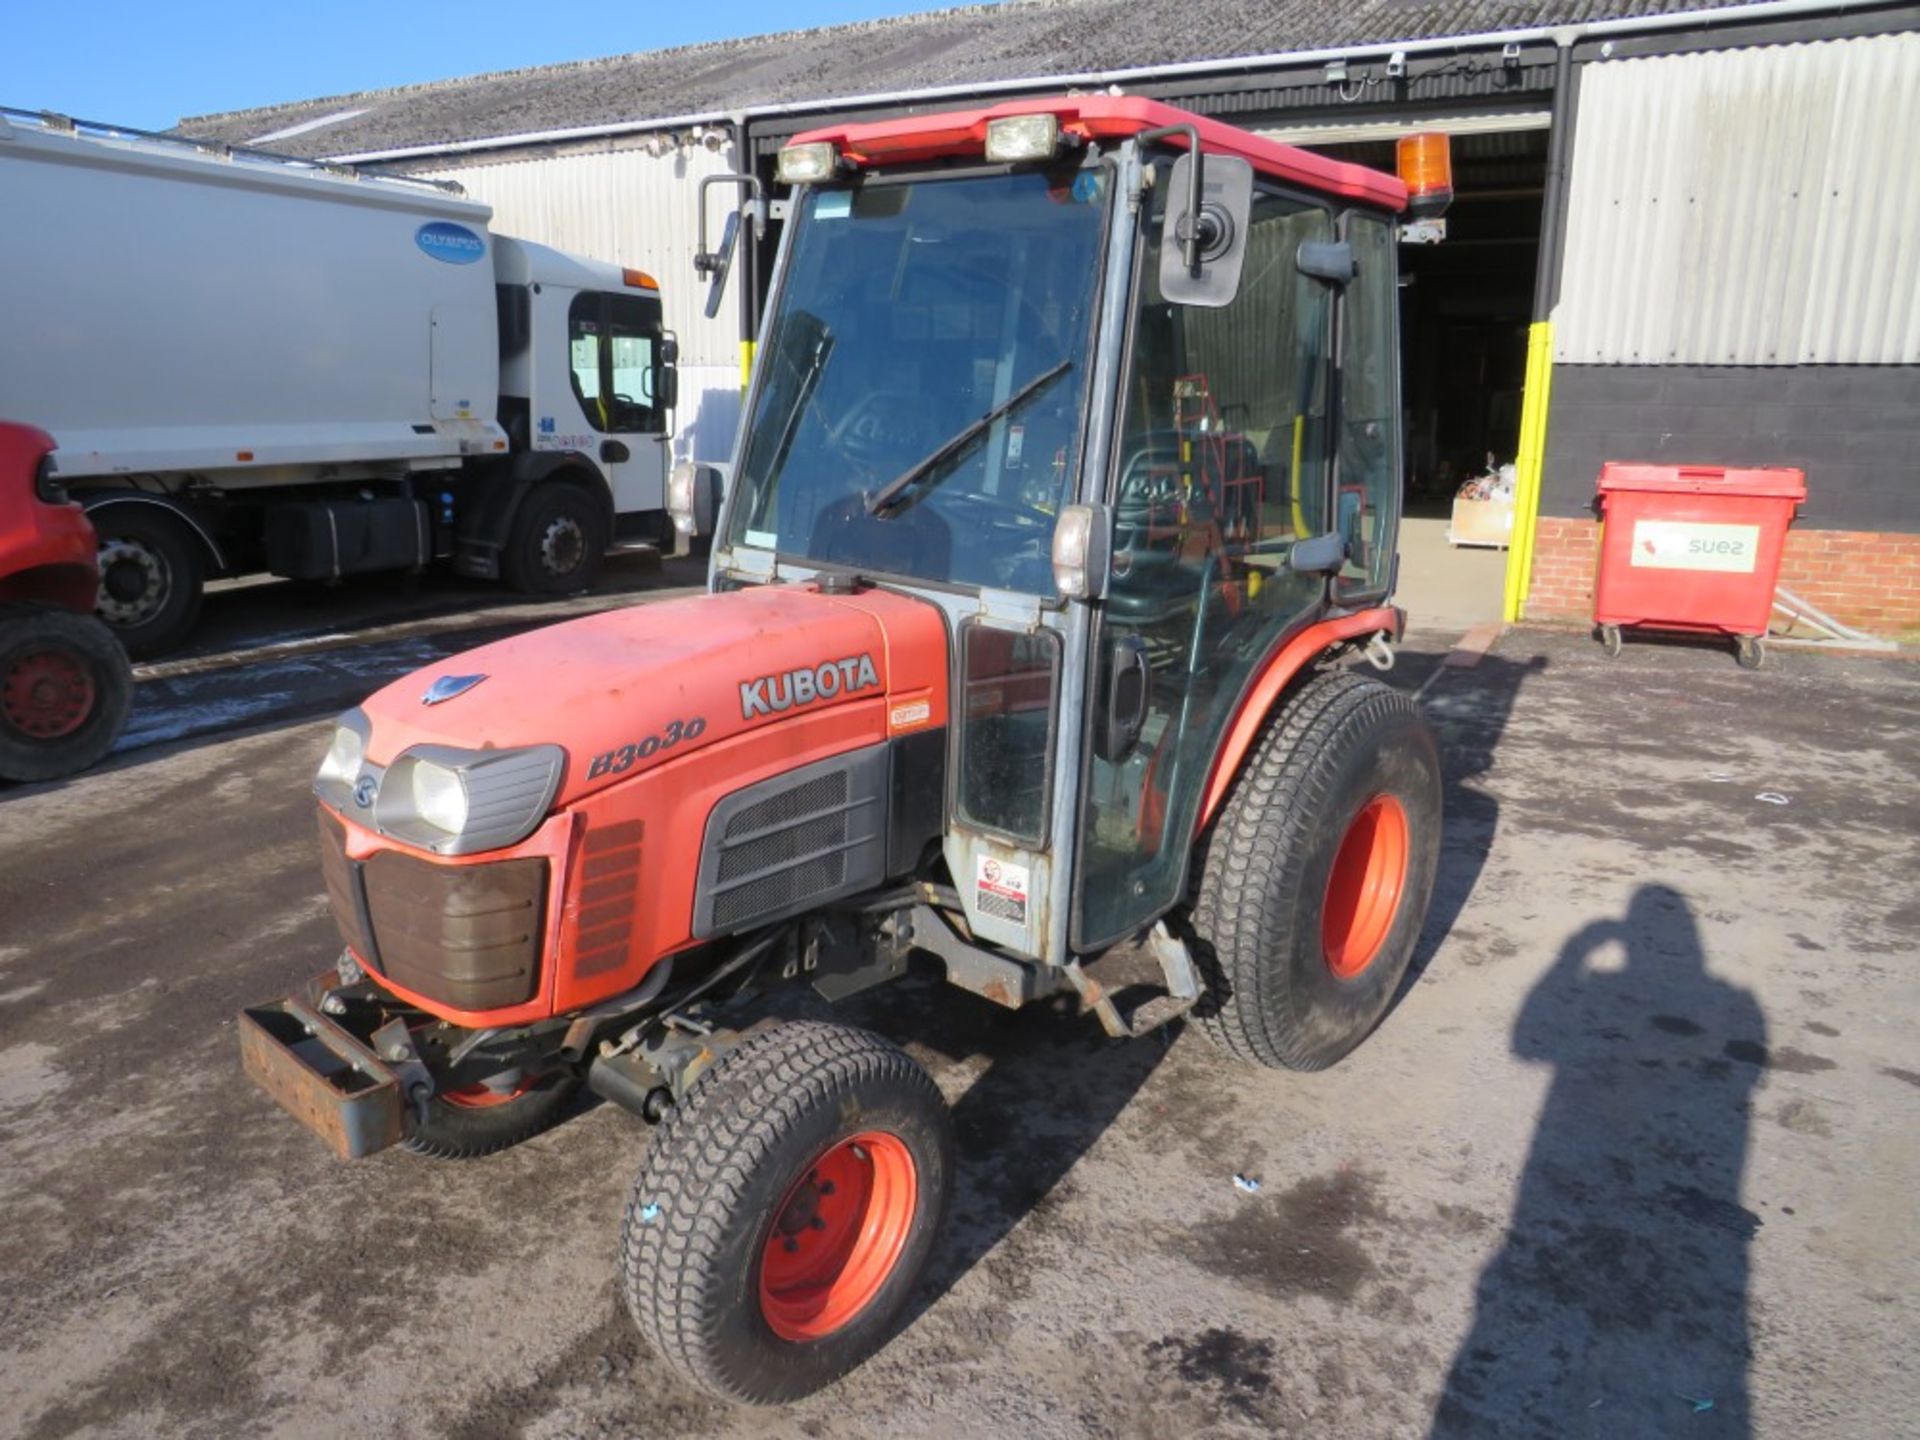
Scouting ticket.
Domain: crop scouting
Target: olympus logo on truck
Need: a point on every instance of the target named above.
(455, 244)
(771, 693)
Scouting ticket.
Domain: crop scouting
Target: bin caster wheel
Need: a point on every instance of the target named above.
(1749, 651)
(1610, 641)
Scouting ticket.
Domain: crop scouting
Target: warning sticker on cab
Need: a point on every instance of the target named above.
(1691, 545)
(1000, 889)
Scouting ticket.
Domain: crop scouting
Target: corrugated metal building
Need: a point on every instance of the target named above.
(1684, 230)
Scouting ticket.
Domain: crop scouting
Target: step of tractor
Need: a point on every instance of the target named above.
(1137, 988)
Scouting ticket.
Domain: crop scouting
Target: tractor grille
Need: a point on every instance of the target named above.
(609, 876)
(465, 936)
(787, 844)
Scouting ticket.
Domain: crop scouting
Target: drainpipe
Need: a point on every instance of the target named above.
(1530, 462)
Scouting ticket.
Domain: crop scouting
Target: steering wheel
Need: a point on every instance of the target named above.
(1005, 511)
(881, 430)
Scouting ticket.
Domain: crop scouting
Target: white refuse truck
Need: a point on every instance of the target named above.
(257, 364)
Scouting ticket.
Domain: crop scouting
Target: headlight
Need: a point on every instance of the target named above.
(340, 766)
(680, 483)
(439, 799)
(457, 802)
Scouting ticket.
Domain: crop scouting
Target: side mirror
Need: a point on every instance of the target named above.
(1322, 555)
(718, 263)
(1203, 238)
(666, 385)
(721, 263)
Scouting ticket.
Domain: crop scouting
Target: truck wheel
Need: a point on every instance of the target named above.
(1318, 874)
(785, 1210)
(558, 542)
(151, 571)
(64, 691)
(478, 1120)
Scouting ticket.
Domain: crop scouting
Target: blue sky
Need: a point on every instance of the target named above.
(147, 64)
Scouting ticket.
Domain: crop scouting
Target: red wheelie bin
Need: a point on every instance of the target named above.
(1693, 548)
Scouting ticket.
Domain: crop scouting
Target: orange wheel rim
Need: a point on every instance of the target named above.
(1363, 892)
(479, 1097)
(837, 1235)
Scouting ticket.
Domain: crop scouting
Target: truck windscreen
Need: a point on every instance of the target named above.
(909, 311)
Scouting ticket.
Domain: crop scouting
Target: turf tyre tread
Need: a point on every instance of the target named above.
(1249, 915)
(680, 1273)
(461, 1132)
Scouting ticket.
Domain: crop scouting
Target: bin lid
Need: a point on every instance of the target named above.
(1778, 482)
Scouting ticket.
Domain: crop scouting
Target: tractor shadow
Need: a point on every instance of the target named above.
(1470, 708)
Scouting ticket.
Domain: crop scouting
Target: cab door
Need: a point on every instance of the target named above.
(616, 357)
(1222, 462)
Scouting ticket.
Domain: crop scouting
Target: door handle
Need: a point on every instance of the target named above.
(614, 451)
(1124, 714)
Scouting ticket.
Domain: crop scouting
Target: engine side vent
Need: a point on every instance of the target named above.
(793, 842)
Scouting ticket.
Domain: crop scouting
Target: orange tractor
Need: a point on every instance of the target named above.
(1069, 475)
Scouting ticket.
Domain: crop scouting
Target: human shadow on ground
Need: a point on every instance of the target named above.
(1617, 1304)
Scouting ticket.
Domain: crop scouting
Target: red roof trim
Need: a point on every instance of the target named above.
(1104, 117)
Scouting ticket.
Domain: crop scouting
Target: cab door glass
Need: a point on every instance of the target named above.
(1221, 465)
(583, 358)
(1367, 493)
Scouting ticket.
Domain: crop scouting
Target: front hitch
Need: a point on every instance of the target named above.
(324, 1077)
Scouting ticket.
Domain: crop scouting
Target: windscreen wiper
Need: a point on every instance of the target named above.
(888, 495)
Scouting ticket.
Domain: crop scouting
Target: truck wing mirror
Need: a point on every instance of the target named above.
(1203, 237)
(718, 262)
(1322, 555)
(1326, 260)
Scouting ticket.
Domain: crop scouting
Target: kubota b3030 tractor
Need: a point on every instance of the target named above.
(1069, 476)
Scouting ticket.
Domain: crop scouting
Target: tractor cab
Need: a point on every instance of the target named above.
(1115, 388)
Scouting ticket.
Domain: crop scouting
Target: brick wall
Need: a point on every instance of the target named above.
(1867, 579)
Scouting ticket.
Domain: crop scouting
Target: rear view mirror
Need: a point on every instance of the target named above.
(1203, 239)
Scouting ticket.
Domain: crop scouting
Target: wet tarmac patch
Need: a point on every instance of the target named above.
(1675, 1025)
(1238, 1367)
(1296, 1244)
(1794, 1062)
(1898, 1074)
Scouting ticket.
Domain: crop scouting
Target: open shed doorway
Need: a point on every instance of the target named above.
(1465, 306)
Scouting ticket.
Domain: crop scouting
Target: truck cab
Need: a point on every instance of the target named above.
(587, 370)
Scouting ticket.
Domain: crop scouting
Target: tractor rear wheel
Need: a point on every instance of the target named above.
(785, 1210)
(65, 687)
(476, 1120)
(1317, 875)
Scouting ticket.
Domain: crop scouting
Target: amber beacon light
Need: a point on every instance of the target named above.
(1425, 162)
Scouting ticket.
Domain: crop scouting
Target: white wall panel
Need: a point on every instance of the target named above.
(1746, 207)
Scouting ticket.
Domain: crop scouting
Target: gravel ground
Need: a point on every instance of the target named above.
(1634, 1155)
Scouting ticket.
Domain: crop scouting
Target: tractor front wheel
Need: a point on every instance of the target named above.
(785, 1211)
(474, 1120)
(1318, 873)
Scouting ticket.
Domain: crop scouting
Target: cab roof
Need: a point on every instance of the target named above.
(952, 133)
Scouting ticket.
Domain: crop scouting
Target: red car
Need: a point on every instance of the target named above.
(65, 684)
